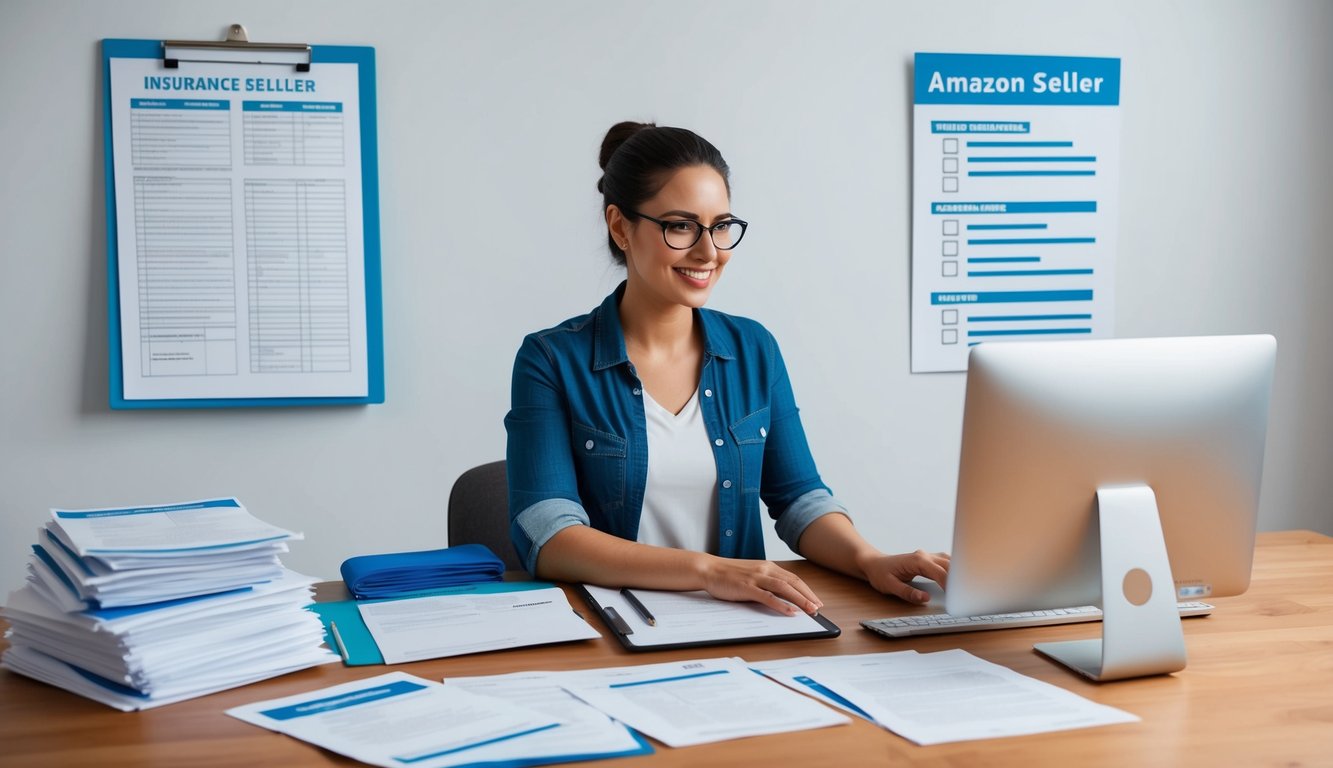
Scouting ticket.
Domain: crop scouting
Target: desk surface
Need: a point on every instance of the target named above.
(1258, 691)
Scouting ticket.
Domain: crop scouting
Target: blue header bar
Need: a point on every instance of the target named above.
(180, 104)
(1058, 206)
(974, 78)
(1008, 297)
(343, 700)
(63, 514)
(292, 106)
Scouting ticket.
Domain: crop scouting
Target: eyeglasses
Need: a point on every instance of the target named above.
(682, 234)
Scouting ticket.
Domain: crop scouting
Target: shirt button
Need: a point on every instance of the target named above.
(763, 432)
(638, 391)
(718, 442)
(726, 483)
(728, 531)
(588, 445)
(708, 393)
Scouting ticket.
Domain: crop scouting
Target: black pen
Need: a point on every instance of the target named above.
(638, 606)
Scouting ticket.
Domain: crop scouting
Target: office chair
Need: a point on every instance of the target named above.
(479, 511)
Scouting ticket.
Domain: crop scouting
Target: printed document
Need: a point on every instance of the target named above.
(697, 702)
(397, 719)
(934, 698)
(451, 625)
(239, 229)
(585, 735)
(193, 527)
(1015, 192)
(695, 617)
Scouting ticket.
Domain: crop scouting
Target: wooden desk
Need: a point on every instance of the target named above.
(1258, 691)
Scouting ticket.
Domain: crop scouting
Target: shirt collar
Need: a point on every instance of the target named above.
(610, 336)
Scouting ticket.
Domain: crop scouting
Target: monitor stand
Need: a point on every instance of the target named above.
(1141, 632)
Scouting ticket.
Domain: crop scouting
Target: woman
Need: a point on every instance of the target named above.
(643, 435)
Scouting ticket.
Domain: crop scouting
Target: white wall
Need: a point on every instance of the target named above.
(490, 118)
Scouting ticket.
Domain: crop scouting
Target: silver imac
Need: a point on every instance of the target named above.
(1122, 473)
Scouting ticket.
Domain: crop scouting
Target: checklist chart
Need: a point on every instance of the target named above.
(1014, 202)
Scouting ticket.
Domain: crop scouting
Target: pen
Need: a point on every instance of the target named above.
(337, 639)
(638, 606)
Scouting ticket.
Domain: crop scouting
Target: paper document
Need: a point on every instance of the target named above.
(396, 719)
(452, 625)
(189, 527)
(684, 618)
(1015, 192)
(586, 734)
(934, 698)
(698, 702)
(239, 226)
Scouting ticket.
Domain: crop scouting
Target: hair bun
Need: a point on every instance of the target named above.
(618, 134)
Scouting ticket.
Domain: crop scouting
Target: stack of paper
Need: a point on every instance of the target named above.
(142, 606)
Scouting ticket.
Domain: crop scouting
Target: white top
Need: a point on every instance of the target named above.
(680, 498)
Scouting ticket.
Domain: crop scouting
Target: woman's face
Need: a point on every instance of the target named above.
(657, 271)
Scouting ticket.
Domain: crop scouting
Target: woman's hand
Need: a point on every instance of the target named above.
(758, 580)
(891, 574)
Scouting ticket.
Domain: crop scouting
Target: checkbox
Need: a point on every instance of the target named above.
(951, 226)
(951, 165)
(949, 317)
(950, 183)
(949, 336)
(950, 248)
(951, 146)
(950, 269)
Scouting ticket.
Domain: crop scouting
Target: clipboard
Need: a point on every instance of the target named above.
(367, 355)
(635, 634)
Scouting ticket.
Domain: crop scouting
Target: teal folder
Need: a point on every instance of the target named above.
(354, 641)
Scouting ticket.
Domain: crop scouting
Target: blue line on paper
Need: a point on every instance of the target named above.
(1031, 332)
(832, 695)
(1020, 144)
(1031, 240)
(669, 679)
(1035, 159)
(1028, 272)
(441, 753)
(1005, 260)
(1031, 173)
(1017, 318)
(1006, 226)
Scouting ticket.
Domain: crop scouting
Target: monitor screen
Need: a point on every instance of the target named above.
(1048, 424)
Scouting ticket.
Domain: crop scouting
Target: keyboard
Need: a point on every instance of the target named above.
(939, 623)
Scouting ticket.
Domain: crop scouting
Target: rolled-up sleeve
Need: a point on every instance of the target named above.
(543, 488)
(807, 508)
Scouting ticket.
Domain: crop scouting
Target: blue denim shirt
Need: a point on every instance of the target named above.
(578, 444)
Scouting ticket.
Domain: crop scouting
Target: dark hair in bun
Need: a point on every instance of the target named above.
(637, 159)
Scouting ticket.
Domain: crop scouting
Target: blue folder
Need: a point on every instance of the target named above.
(404, 574)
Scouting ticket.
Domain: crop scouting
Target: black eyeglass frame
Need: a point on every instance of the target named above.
(698, 230)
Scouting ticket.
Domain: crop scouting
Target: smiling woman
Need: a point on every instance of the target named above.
(644, 434)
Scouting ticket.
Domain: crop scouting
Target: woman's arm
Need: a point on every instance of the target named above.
(583, 554)
(833, 542)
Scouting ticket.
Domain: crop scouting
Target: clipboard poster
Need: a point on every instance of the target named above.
(243, 248)
(694, 619)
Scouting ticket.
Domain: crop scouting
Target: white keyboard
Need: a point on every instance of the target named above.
(938, 623)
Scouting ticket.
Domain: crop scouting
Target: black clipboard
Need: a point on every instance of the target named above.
(623, 621)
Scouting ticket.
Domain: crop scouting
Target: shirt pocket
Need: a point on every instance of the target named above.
(599, 458)
(751, 435)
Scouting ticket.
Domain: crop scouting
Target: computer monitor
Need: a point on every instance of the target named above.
(1122, 473)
